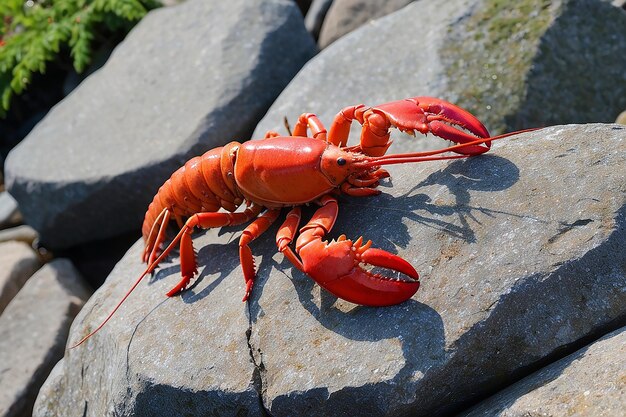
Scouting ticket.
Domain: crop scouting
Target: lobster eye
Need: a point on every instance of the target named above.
(341, 161)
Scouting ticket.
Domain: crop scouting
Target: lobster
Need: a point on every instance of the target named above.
(290, 171)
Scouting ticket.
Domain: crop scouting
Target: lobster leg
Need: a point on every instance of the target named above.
(254, 230)
(188, 264)
(336, 266)
(285, 236)
(156, 236)
(311, 121)
(422, 114)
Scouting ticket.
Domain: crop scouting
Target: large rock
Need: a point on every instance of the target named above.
(590, 382)
(33, 333)
(186, 79)
(344, 16)
(512, 67)
(521, 255)
(18, 262)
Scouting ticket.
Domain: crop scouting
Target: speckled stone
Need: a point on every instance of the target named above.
(589, 382)
(520, 253)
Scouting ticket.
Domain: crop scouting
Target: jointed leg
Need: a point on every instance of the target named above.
(311, 121)
(286, 234)
(254, 230)
(188, 265)
(156, 236)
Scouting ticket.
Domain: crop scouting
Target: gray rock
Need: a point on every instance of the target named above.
(344, 16)
(21, 233)
(33, 332)
(315, 16)
(184, 355)
(453, 50)
(17, 263)
(520, 253)
(9, 211)
(589, 382)
(186, 79)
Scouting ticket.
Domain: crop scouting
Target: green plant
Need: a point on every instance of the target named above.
(34, 33)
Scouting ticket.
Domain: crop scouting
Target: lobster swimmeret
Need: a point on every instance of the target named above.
(276, 172)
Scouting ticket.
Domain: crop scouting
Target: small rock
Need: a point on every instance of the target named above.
(9, 211)
(23, 233)
(344, 16)
(621, 119)
(315, 16)
(186, 79)
(17, 263)
(590, 382)
(33, 331)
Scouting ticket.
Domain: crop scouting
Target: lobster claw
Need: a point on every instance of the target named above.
(436, 116)
(336, 266)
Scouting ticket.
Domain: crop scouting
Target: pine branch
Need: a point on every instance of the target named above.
(32, 37)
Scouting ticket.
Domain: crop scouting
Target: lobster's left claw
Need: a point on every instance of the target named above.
(337, 267)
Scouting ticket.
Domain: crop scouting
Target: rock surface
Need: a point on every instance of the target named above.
(17, 263)
(344, 16)
(33, 332)
(517, 71)
(520, 253)
(186, 79)
(589, 382)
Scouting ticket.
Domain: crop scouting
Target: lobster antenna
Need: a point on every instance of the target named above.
(150, 267)
(430, 155)
(286, 122)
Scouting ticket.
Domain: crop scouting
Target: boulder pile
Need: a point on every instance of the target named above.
(521, 251)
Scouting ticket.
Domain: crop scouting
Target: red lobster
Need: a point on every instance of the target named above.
(290, 171)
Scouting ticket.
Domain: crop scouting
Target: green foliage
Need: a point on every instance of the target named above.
(34, 33)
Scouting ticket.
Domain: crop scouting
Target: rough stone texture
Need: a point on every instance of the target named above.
(9, 212)
(315, 16)
(17, 263)
(564, 65)
(344, 16)
(186, 79)
(590, 382)
(185, 355)
(520, 253)
(33, 332)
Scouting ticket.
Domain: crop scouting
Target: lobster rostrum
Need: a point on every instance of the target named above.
(289, 171)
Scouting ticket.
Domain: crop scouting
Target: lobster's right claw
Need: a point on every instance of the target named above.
(337, 267)
(436, 116)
